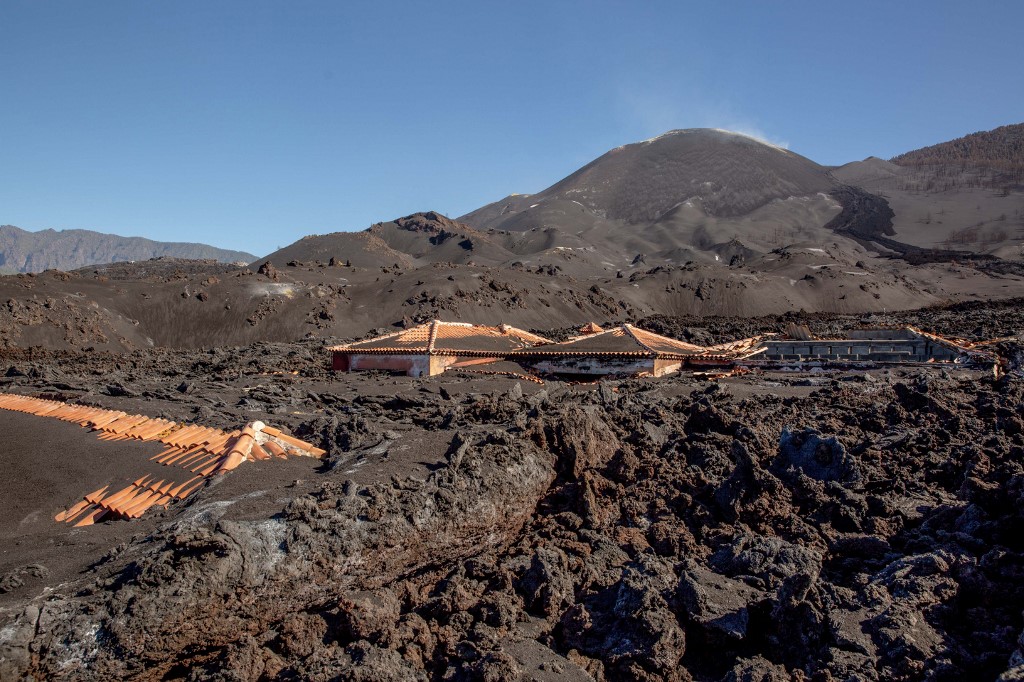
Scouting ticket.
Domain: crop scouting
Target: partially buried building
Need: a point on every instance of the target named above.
(877, 346)
(628, 350)
(431, 348)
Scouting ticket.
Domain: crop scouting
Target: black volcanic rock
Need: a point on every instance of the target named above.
(268, 270)
(864, 214)
(429, 221)
(544, 529)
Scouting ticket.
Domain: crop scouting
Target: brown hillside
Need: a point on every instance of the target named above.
(999, 149)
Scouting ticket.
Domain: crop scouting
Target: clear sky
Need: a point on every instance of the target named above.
(249, 124)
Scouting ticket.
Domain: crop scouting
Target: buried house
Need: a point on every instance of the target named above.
(625, 349)
(431, 348)
(874, 346)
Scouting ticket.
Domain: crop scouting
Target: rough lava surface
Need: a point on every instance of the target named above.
(834, 524)
(838, 525)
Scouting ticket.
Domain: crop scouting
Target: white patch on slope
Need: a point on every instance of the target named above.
(658, 137)
(751, 134)
(267, 290)
(757, 137)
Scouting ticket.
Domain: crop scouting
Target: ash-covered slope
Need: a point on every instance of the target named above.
(195, 304)
(688, 196)
(727, 173)
(358, 249)
(816, 243)
(24, 251)
(965, 194)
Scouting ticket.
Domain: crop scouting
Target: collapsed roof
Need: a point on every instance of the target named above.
(447, 338)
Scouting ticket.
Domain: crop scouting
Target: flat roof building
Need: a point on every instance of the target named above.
(878, 345)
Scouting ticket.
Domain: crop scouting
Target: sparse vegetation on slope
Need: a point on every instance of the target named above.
(1002, 148)
(998, 155)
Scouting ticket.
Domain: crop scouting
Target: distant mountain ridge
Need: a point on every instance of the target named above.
(25, 251)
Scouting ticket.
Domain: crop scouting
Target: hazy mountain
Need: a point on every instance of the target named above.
(24, 251)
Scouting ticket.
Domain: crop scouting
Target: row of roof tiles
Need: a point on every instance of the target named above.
(459, 338)
(441, 338)
(201, 450)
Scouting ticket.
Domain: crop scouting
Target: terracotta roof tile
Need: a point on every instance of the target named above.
(627, 340)
(447, 338)
(191, 446)
(92, 518)
(621, 340)
(74, 511)
(176, 491)
(275, 449)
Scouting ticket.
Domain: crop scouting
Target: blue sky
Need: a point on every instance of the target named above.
(250, 124)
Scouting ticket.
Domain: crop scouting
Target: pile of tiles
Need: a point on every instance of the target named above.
(201, 450)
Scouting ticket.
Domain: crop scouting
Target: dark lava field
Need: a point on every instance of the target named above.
(832, 525)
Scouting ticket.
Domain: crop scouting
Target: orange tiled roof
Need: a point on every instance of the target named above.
(447, 338)
(627, 340)
(200, 450)
(624, 340)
